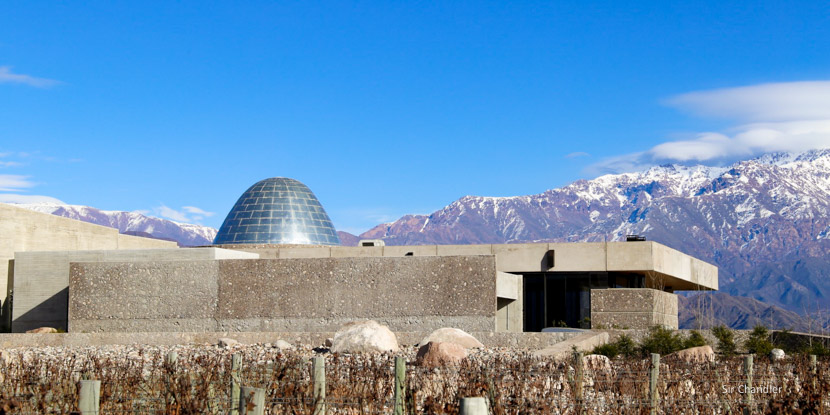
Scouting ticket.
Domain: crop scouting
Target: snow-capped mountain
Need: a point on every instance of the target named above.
(765, 222)
(131, 223)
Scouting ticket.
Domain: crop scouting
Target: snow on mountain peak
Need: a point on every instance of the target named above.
(185, 234)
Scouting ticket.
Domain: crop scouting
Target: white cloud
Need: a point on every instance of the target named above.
(197, 211)
(791, 117)
(17, 198)
(784, 101)
(172, 214)
(13, 182)
(187, 214)
(7, 76)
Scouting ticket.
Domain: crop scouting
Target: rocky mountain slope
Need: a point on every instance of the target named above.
(764, 221)
(131, 223)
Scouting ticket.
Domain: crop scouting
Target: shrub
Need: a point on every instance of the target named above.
(626, 346)
(661, 340)
(622, 346)
(819, 349)
(758, 341)
(608, 349)
(726, 340)
(695, 339)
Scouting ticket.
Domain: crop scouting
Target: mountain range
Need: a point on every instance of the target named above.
(131, 223)
(764, 222)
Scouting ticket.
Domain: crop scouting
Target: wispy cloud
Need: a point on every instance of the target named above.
(8, 163)
(14, 182)
(18, 198)
(9, 77)
(577, 154)
(774, 102)
(791, 116)
(187, 214)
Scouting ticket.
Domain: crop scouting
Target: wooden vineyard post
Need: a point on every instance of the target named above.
(653, 378)
(814, 369)
(89, 399)
(236, 369)
(400, 384)
(748, 390)
(318, 379)
(473, 406)
(578, 380)
(170, 360)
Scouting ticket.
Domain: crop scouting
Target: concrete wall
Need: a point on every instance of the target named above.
(407, 293)
(509, 302)
(41, 280)
(633, 308)
(667, 267)
(25, 230)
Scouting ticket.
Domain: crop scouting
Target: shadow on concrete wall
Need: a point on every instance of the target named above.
(6, 308)
(51, 313)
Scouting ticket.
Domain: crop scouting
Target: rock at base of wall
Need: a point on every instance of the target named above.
(435, 354)
(563, 350)
(41, 330)
(777, 354)
(282, 345)
(698, 354)
(364, 336)
(452, 335)
(227, 342)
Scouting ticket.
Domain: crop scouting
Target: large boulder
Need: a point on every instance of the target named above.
(364, 336)
(451, 335)
(700, 354)
(597, 363)
(777, 354)
(435, 354)
(564, 350)
(41, 330)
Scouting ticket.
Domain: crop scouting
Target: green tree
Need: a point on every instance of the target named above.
(758, 341)
(726, 340)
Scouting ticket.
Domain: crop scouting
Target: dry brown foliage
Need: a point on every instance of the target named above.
(139, 381)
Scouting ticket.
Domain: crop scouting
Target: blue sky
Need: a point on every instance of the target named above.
(388, 108)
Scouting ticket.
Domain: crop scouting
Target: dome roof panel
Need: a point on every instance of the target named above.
(278, 210)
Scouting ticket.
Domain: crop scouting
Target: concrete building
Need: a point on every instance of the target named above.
(513, 288)
(87, 278)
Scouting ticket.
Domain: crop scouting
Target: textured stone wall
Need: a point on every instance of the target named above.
(303, 294)
(633, 308)
(42, 278)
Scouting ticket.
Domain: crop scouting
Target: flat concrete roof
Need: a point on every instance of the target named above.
(662, 266)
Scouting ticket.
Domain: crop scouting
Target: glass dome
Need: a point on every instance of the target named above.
(278, 210)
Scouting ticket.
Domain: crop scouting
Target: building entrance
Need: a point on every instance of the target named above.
(563, 299)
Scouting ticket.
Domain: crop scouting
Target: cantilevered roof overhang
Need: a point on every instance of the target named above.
(663, 266)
